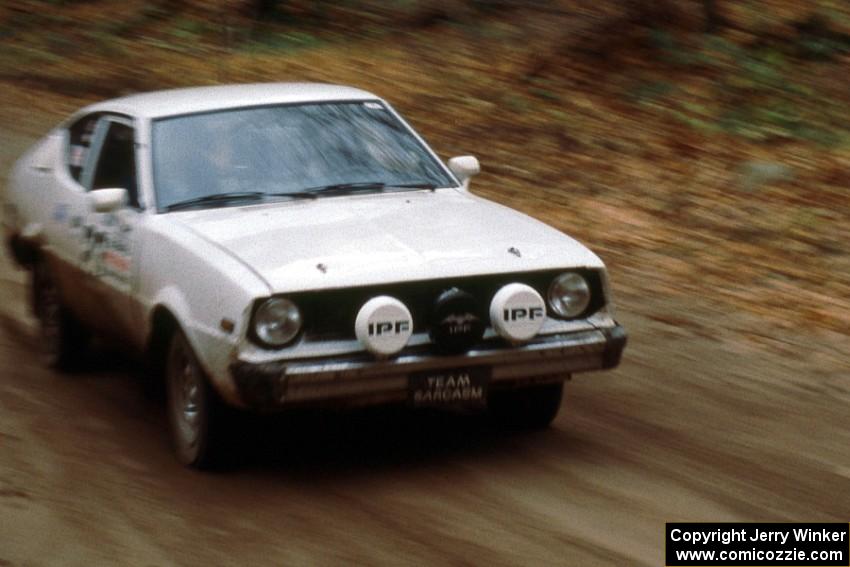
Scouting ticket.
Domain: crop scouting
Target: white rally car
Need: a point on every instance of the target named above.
(276, 245)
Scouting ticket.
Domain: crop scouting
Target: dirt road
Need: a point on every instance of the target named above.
(694, 425)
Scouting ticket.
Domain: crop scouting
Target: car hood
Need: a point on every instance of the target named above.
(334, 242)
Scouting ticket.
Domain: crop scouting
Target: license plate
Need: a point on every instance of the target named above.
(451, 387)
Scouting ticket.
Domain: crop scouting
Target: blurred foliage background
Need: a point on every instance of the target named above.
(701, 146)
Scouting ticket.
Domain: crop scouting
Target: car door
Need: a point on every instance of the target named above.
(113, 244)
(67, 233)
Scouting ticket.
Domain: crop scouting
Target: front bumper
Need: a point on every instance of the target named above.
(363, 380)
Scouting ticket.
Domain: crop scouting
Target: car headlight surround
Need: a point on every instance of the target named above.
(277, 321)
(569, 295)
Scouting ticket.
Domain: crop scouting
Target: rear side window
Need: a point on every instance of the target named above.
(81, 134)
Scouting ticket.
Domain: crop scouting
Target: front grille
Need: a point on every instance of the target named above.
(330, 314)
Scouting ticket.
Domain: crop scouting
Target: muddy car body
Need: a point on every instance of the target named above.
(288, 244)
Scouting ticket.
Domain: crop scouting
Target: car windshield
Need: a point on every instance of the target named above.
(221, 158)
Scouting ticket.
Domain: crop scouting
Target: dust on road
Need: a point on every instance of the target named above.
(690, 428)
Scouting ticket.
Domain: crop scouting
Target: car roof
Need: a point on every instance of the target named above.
(174, 102)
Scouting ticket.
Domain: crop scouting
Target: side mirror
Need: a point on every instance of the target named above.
(107, 200)
(464, 167)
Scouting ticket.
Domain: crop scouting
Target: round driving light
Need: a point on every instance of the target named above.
(456, 323)
(569, 295)
(517, 312)
(383, 325)
(277, 321)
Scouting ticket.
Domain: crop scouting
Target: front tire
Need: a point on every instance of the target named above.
(526, 408)
(63, 338)
(195, 412)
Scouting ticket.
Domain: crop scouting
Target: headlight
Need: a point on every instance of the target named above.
(569, 295)
(277, 321)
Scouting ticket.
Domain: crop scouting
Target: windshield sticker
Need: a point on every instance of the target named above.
(78, 156)
(373, 105)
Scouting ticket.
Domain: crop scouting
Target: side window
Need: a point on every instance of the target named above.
(80, 140)
(116, 165)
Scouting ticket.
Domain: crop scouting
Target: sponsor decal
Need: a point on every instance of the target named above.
(396, 327)
(458, 324)
(519, 313)
(60, 213)
(106, 254)
(114, 262)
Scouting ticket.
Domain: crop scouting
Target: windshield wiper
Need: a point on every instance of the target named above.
(364, 186)
(345, 188)
(217, 198)
(415, 185)
(310, 193)
(293, 195)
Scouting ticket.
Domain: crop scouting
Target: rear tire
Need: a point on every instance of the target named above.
(526, 408)
(63, 338)
(196, 415)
